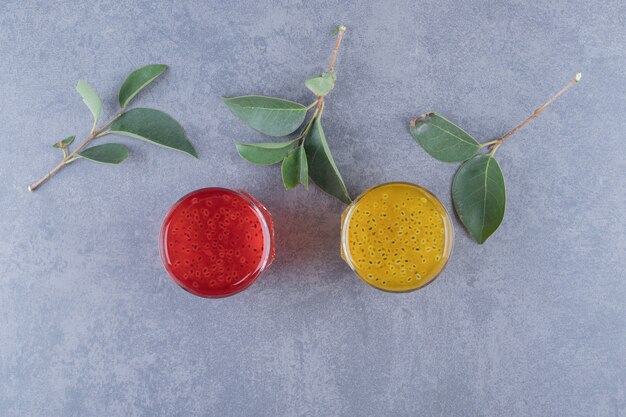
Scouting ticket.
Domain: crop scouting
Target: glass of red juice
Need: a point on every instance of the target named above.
(216, 242)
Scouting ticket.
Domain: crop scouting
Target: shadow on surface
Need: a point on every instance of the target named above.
(308, 239)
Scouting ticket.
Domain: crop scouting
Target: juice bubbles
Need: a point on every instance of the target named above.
(215, 242)
(397, 237)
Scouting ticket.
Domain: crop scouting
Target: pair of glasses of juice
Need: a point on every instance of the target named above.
(216, 242)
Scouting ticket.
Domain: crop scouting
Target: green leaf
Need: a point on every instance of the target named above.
(479, 196)
(65, 142)
(109, 153)
(137, 80)
(153, 126)
(91, 99)
(265, 153)
(322, 84)
(295, 169)
(269, 115)
(290, 169)
(322, 168)
(304, 168)
(442, 139)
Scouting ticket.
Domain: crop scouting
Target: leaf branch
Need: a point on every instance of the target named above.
(478, 187)
(319, 103)
(306, 156)
(71, 157)
(150, 125)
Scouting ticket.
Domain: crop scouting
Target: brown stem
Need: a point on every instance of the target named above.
(35, 185)
(340, 31)
(537, 112)
(67, 158)
(319, 103)
(331, 66)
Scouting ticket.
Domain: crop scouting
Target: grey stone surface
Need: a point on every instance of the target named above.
(533, 323)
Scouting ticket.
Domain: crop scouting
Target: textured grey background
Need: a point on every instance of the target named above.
(531, 323)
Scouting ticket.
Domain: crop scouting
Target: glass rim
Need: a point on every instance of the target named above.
(448, 241)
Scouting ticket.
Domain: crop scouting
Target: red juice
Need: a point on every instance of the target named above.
(215, 242)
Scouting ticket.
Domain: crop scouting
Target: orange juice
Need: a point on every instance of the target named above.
(397, 237)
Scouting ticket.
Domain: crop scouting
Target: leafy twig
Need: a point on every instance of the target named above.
(478, 189)
(147, 124)
(71, 157)
(306, 155)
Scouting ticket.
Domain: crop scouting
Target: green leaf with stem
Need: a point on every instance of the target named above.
(322, 168)
(146, 124)
(91, 99)
(269, 115)
(153, 126)
(478, 188)
(279, 117)
(62, 144)
(265, 153)
(138, 80)
(295, 169)
(442, 139)
(109, 153)
(479, 196)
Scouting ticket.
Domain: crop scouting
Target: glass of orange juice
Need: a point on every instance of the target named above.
(397, 237)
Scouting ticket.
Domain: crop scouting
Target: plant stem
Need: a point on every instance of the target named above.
(497, 143)
(310, 106)
(319, 103)
(340, 31)
(331, 66)
(493, 142)
(67, 158)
